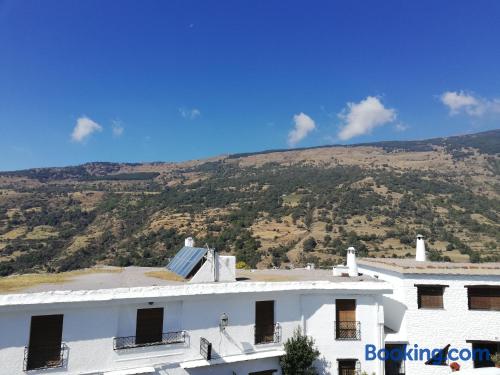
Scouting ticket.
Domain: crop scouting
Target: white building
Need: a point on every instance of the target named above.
(165, 327)
(206, 322)
(435, 304)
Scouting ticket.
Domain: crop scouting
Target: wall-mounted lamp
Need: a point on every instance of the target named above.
(224, 321)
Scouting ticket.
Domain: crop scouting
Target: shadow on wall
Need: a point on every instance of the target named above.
(394, 312)
(323, 366)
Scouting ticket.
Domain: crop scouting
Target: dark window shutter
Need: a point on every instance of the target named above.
(45, 341)
(430, 297)
(345, 310)
(149, 326)
(484, 298)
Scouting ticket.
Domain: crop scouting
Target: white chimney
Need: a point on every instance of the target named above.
(189, 242)
(420, 253)
(351, 262)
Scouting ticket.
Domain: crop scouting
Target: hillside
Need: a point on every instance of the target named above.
(277, 207)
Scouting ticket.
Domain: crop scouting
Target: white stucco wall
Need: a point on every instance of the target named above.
(435, 328)
(89, 328)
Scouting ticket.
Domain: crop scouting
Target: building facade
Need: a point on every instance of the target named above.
(188, 328)
(453, 306)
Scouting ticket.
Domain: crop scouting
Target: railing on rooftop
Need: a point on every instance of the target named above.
(267, 334)
(205, 349)
(44, 357)
(167, 338)
(348, 330)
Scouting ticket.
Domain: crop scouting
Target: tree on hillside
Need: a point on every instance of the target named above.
(300, 355)
(309, 244)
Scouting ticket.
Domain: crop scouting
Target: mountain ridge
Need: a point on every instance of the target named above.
(272, 208)
(418, 144)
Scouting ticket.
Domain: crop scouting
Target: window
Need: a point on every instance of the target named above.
(484, 297)
(348, 366)
(346, 326)
(430, 296)
(481, 359)
(45, 346)
(264, 322)
(149, 326)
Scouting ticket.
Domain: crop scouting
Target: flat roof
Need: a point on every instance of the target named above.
(139, 283)
(129, 277)
(411, 266)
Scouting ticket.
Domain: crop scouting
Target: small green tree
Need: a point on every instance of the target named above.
(309, 244)
(300, 355)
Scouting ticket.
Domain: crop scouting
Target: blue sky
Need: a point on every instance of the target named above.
(174, 80)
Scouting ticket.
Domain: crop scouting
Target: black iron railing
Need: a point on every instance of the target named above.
(267, 334)
(348, 330)
(44, 357)
(132, 342)
(205, 349)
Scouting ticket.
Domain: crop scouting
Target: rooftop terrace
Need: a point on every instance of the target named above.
(411, 266)
(131, 277)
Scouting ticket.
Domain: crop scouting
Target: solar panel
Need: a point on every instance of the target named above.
(186, 259)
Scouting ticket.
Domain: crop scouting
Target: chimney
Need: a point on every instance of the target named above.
(189, 242)
(351, 262)
(420, 253)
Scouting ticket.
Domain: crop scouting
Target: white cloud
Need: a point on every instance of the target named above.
(401, 127)
(462, 102)
(117, 128)
(84, 128)
(361, 118)
(190, 114)
(303, 126)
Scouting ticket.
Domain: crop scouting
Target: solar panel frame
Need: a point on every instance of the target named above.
(186, 259)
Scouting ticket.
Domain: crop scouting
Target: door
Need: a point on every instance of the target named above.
(392, 366)
(264, 322)
(45, 341)
(149, 326)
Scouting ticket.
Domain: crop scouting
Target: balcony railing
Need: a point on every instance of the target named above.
(205, 349)
(44, 357)
(348, 330)
(267, 334)
(167, 338)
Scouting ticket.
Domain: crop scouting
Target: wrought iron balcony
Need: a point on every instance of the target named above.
(267, 334)
(205, 348)
(167, 338)
(44, 357)
(348, 330)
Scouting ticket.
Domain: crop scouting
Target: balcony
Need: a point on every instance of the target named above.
(167, 338)
(44, 357)
(267, 334)
(348, 330)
